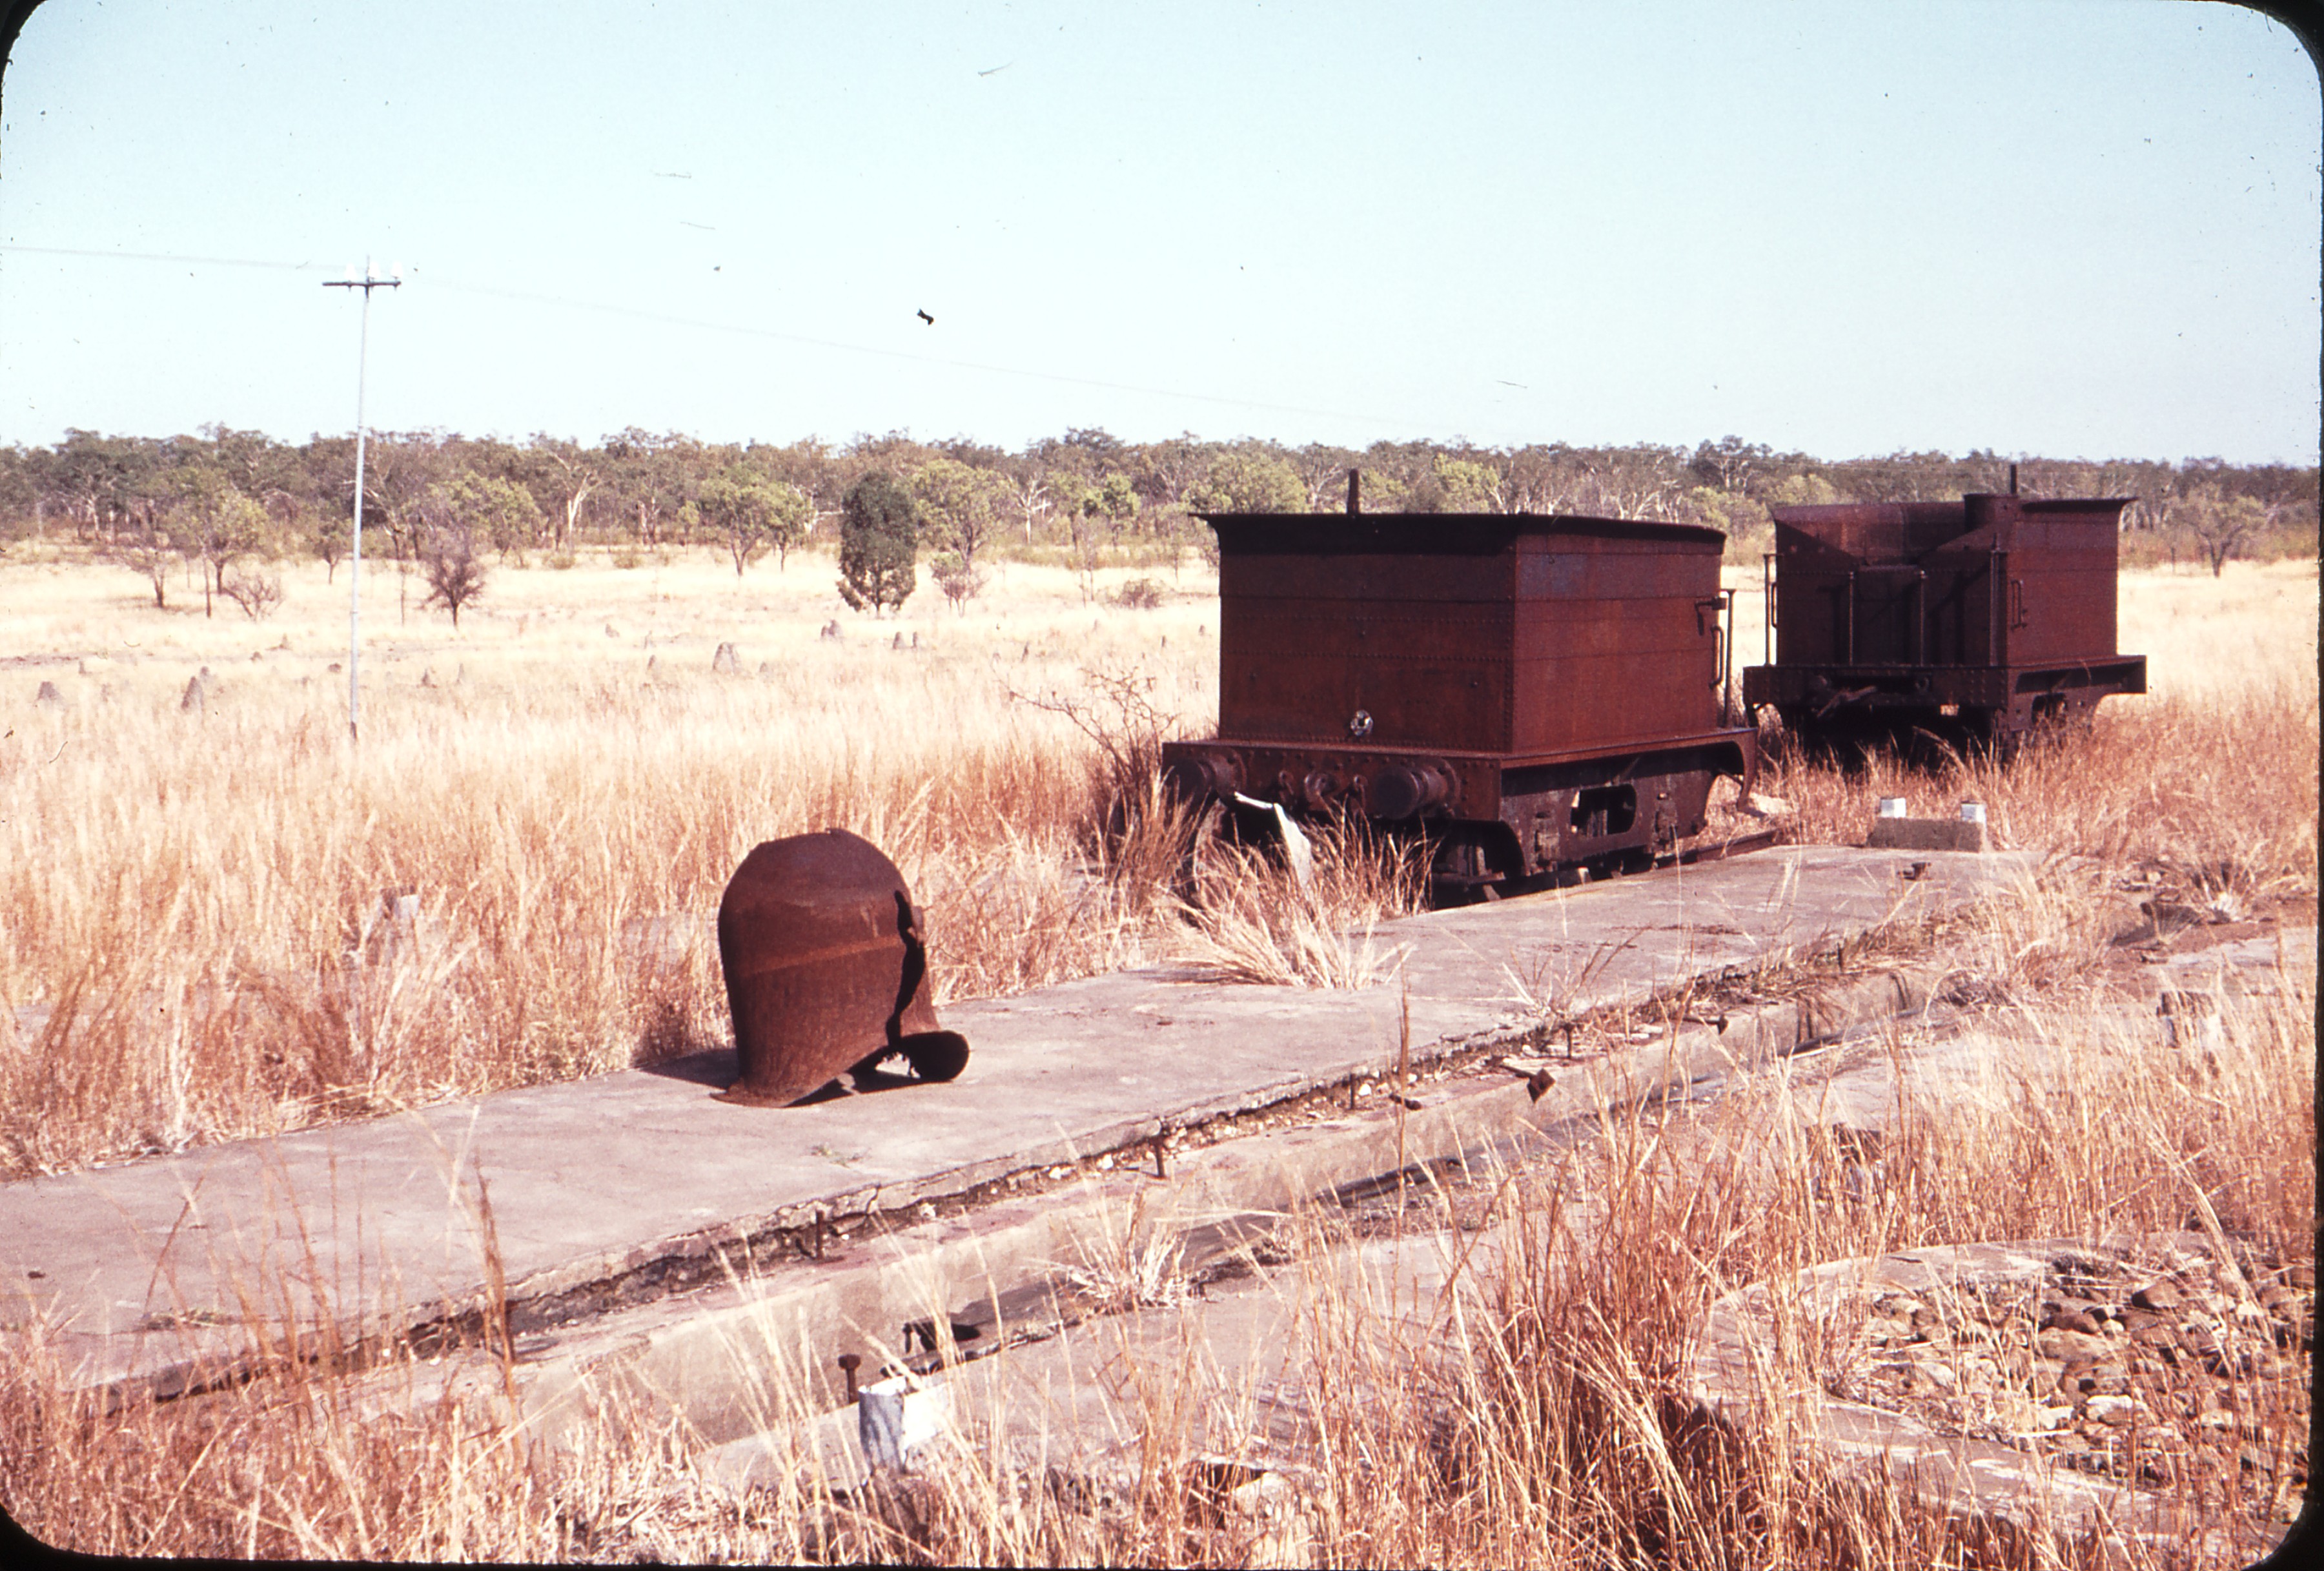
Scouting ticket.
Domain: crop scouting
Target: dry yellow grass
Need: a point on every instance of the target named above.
(182, 891)
(179, 893)
(1539, 1423)
(2253, 624)
(191, 903)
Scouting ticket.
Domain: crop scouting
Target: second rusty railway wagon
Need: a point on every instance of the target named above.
(1982, 618)
(1536, 694)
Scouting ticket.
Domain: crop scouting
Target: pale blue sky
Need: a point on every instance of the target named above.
(2072, 229)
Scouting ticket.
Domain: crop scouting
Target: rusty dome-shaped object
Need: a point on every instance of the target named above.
(827, 972)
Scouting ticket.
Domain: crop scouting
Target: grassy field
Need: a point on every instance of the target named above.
(566, 784)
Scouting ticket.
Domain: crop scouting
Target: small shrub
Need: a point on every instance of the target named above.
(960, 581)
(1139, 594)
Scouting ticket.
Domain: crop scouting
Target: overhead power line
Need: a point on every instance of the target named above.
(166, 256)
(741, 329)
(667, 318)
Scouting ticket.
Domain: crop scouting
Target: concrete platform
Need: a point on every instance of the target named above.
(153, 1271)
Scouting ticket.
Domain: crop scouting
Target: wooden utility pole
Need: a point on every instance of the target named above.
(354, 568)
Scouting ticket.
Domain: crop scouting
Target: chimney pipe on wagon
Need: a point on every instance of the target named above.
(1352, 474)
(2013, 479)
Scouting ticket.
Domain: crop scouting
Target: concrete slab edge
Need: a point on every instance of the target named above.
(1787, 1026)
(730, 1358)
(600, 1288)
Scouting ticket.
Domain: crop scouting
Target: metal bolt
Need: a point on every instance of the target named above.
(1161, 1155)
(849, 1362)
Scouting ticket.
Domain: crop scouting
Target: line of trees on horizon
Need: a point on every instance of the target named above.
(222, 499)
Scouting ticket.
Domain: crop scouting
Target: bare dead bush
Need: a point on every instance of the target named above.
(255, 590)
(456, 574)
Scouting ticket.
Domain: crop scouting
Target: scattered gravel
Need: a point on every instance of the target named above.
(2161, 1367)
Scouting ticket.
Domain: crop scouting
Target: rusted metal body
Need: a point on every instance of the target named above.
(1983, 617)
(827, 970)
(1533, 693)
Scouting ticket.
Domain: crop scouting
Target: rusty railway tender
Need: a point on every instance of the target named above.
(1977, 620)
(1539, 697)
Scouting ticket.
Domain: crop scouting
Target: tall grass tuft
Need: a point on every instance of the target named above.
(1250, 914)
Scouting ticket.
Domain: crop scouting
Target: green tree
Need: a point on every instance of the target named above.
(1250, 482)
(1742, 519)
(1116, 501)
(560, 473)
(1085, 505)
(1728, 463)
(1071, 495)
(1803, 489)
(1467, 486)
(879, 543)
(2221, 524)
(794, 516)
(751, 514)
(960, 504)
(217, 521)
(1641, 482)
(108, 482)
(20, 490)
(501, 511)
(1382, 491)
(805, 466)
(1539, 477)
(1324, 469)
(649, 479)
(1401, 477)
(1173, 467)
